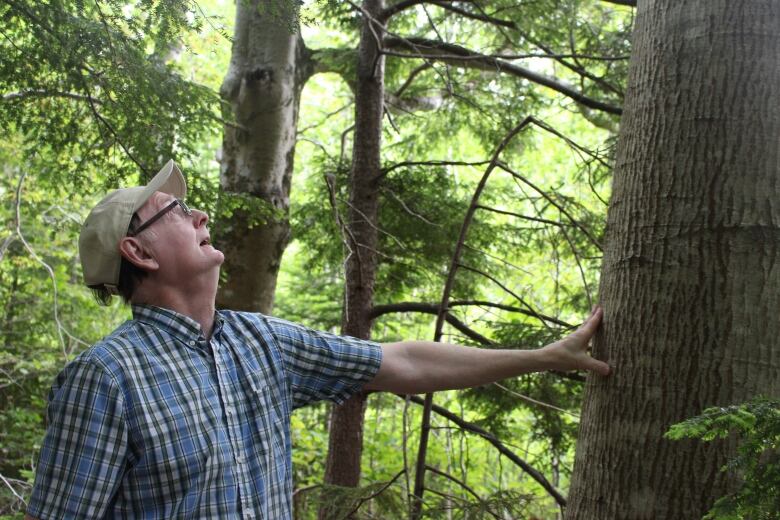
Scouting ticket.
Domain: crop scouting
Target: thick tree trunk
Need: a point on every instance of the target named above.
(268, 68)
(346, 427)
(690, 283)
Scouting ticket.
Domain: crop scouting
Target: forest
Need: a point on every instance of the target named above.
(479, 172)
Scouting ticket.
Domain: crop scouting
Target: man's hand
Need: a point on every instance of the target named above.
(571, 353)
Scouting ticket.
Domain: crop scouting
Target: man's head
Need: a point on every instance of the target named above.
(146, 230)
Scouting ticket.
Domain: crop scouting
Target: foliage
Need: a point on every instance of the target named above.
(757, 461)
(508, 503)
(94, 93)
(90, 86)
(345, 502)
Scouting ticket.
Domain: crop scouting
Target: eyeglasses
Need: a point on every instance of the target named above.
(160, 214)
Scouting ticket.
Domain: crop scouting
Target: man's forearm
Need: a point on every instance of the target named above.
(425, 366)
(413, 367)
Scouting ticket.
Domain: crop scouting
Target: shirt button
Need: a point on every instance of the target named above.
(192, 343)
(240, 458)
(230, 411)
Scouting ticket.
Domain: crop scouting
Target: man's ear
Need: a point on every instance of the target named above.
(133, 251)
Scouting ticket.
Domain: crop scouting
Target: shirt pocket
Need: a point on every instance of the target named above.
(271, 425)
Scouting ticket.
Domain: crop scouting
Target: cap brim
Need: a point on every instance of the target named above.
(168, 180)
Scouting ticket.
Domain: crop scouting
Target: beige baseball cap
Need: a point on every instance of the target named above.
(109, 221)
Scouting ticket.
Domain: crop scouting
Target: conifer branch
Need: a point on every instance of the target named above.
(432, 50)
(496, 442)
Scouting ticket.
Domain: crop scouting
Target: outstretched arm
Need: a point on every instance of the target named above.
(413, 367)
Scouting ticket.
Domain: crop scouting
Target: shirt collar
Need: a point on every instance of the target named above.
(177, 324)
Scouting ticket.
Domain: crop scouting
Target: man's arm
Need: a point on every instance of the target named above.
(413, 367)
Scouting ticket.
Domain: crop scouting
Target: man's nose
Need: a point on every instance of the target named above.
(199, 217)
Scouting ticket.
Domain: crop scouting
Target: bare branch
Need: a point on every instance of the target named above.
(48, 268)
(457, 55)
(412, 76)
(482, 303)
(398, 7)
(419, 480)
(455, 480)
(579, 266)
(387, 170)
(492, 439)
(406, 208)
(406, 4)
(374, 494)
(509, 291)
(9, 486)
(40, 93)
(330, 181)
(100, 119)
(573, 66)
(430, 308)
(552, 201)
(524, 217)
(509, 24)
(534, 401)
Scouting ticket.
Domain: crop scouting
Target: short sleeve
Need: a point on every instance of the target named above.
(83, 456)
(320, 365)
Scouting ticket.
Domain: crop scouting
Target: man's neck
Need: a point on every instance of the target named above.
(198, 305)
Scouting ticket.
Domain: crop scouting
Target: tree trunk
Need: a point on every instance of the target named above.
(690, 285)
(346, 427)
(268, 68)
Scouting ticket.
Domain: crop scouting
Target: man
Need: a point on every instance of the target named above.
(184, 411)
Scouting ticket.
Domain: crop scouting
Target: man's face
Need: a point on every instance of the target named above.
(179, 243)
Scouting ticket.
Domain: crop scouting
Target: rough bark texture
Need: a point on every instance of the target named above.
(268, 68)
(690, 282)
(346, 427)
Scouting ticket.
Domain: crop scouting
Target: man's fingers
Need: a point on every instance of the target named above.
(590, 325)
(599, 367)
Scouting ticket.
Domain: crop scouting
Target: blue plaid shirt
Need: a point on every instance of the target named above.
(157, 422)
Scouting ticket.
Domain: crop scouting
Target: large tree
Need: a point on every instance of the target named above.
(269, 66)
(690, 285)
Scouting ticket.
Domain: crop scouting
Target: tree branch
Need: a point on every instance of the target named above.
(387, 170)
(549, 199)
(508, 290)
(492, 439)
(374, 494)
(455, 54)
(631, 3)
(524, 217)
(455, 480)
(410, 79)
(40, 93)
(430, 308)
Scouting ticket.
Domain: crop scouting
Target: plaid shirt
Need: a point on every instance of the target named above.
(156, 422)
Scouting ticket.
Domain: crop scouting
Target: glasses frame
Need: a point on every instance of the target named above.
(160, 214)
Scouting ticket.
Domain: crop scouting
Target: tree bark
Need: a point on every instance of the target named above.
(343, 463)
(690, 283)
(268, 68)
